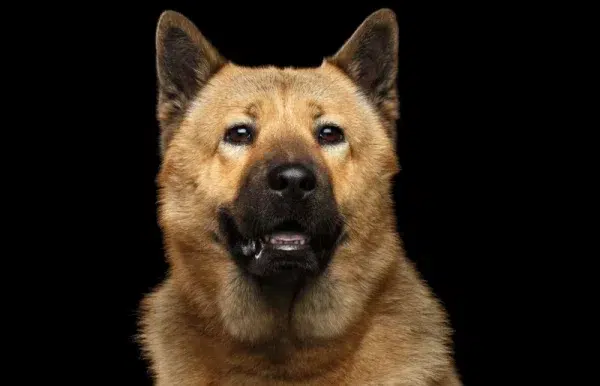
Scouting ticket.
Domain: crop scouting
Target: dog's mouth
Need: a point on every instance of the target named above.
(286, 240)
(288, 236)
(287, 249)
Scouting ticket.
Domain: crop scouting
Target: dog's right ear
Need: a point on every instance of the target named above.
(185, 62)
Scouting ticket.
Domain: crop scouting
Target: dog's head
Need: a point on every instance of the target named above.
(275, 167)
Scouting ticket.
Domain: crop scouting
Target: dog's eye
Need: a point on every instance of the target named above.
(330, 135)
(239, 135)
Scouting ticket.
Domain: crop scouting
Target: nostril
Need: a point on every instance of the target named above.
(281, 182)
(277, 181)
(308, 183)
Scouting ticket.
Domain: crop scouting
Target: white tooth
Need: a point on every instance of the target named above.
(301, 242)
(257, 256)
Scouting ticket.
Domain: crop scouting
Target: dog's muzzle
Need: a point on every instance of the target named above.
(284, 224)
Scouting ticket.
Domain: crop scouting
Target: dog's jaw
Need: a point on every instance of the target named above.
(285, 255)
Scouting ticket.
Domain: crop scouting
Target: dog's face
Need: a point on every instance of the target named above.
(278, 168)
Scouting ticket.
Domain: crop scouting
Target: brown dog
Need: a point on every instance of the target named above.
(278, 222)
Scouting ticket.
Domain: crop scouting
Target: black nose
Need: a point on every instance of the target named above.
(292, 180)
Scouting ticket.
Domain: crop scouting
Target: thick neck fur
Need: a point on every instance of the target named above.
(283, 333)
(228, 328)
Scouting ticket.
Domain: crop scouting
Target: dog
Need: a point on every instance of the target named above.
(274, 200)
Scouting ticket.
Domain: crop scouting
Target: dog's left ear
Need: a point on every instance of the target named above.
(370, 58)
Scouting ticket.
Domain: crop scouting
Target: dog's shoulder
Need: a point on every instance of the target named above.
(167, 323)
(409, 337)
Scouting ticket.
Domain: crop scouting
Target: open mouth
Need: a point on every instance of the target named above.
(288, 249)
(288, 236)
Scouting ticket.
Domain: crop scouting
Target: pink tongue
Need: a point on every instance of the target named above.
(287, 237)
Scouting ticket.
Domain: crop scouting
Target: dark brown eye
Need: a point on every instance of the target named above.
(330, 135)
(239, 135)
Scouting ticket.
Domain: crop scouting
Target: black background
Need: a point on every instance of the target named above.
(445, 138)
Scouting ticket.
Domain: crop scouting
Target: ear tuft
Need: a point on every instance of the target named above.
(370, 58)
(185, 62)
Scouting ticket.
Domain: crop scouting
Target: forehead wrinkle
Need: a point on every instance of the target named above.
(299, 109)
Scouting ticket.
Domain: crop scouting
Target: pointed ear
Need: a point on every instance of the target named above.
(370, 58)
(185, 61)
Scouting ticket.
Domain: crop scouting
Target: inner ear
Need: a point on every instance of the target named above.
(177, 63)
(185, 62)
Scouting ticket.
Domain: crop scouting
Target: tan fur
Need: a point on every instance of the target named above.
(368, 320)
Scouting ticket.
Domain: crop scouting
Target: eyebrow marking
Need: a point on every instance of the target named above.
(252, 110)
(316, 110)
